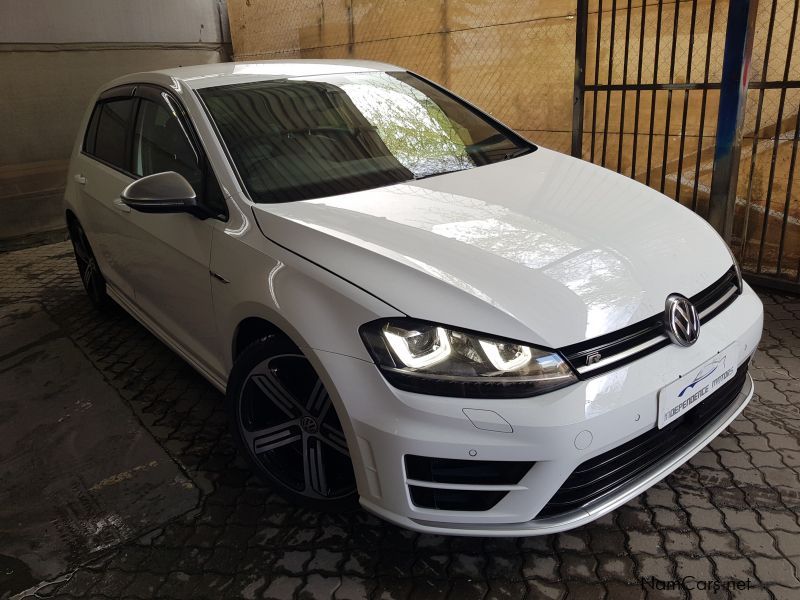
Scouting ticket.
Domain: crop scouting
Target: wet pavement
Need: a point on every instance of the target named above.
(89, 401)
(80, 473)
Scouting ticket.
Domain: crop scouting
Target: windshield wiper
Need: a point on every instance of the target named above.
(516, 153)
(418, 177)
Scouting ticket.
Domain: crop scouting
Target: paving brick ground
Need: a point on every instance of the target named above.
(730, 514)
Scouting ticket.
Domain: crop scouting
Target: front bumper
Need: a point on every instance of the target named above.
(557, 432)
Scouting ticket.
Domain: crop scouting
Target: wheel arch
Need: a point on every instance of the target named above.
(251, 329)
(251, 321)
(71, 219)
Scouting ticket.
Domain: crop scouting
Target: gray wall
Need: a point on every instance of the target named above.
(54, 54)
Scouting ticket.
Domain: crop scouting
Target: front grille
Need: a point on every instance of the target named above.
(610, 470)
(497, 477)
(625, 345)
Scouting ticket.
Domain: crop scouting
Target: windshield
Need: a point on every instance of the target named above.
(311, 137)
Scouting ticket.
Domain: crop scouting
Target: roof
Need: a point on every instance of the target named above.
(215, 74)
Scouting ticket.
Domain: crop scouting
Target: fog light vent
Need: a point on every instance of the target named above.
(499, 477)
(472, 472)
(454, 499)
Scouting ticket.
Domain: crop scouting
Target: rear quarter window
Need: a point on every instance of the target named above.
(91, 130)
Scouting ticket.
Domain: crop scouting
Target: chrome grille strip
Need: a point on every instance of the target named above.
(614, 350)
(707, 311)
(622, 355)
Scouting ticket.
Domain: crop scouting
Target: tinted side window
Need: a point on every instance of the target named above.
(91, 130)
(161, 144)
(112, 129)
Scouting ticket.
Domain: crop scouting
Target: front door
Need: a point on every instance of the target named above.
(170, 267)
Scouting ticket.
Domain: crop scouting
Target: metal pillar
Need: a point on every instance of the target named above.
(732, 99)
(580, 77)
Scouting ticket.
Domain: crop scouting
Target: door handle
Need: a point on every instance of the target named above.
(121, 206)
(80, 179)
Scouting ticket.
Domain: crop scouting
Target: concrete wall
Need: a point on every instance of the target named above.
(54, 54)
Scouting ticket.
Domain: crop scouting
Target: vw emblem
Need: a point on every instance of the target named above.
(308, 424)
(681, 321)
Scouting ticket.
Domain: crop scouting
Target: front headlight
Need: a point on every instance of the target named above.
(432, 359)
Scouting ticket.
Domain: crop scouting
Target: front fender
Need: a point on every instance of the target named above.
(315, 308)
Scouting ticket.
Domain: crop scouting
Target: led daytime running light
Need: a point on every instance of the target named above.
(492, 352)
(400, 347)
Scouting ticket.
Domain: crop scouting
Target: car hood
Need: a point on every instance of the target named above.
(543, 248)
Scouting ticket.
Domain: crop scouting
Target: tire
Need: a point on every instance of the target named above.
(93, 281)
(286, 425)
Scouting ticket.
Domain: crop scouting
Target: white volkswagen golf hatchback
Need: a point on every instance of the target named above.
(407, 304)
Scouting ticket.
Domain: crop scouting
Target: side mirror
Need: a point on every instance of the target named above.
(167, 192)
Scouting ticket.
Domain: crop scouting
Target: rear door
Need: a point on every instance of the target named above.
(101, 174)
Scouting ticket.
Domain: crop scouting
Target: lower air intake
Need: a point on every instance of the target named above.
(608, 471)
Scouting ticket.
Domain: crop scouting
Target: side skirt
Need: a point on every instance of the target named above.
(215, 380)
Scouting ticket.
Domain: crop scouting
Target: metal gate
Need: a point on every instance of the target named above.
(658, 97)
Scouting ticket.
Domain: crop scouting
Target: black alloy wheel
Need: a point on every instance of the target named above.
(285, 420)
(93, 281)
